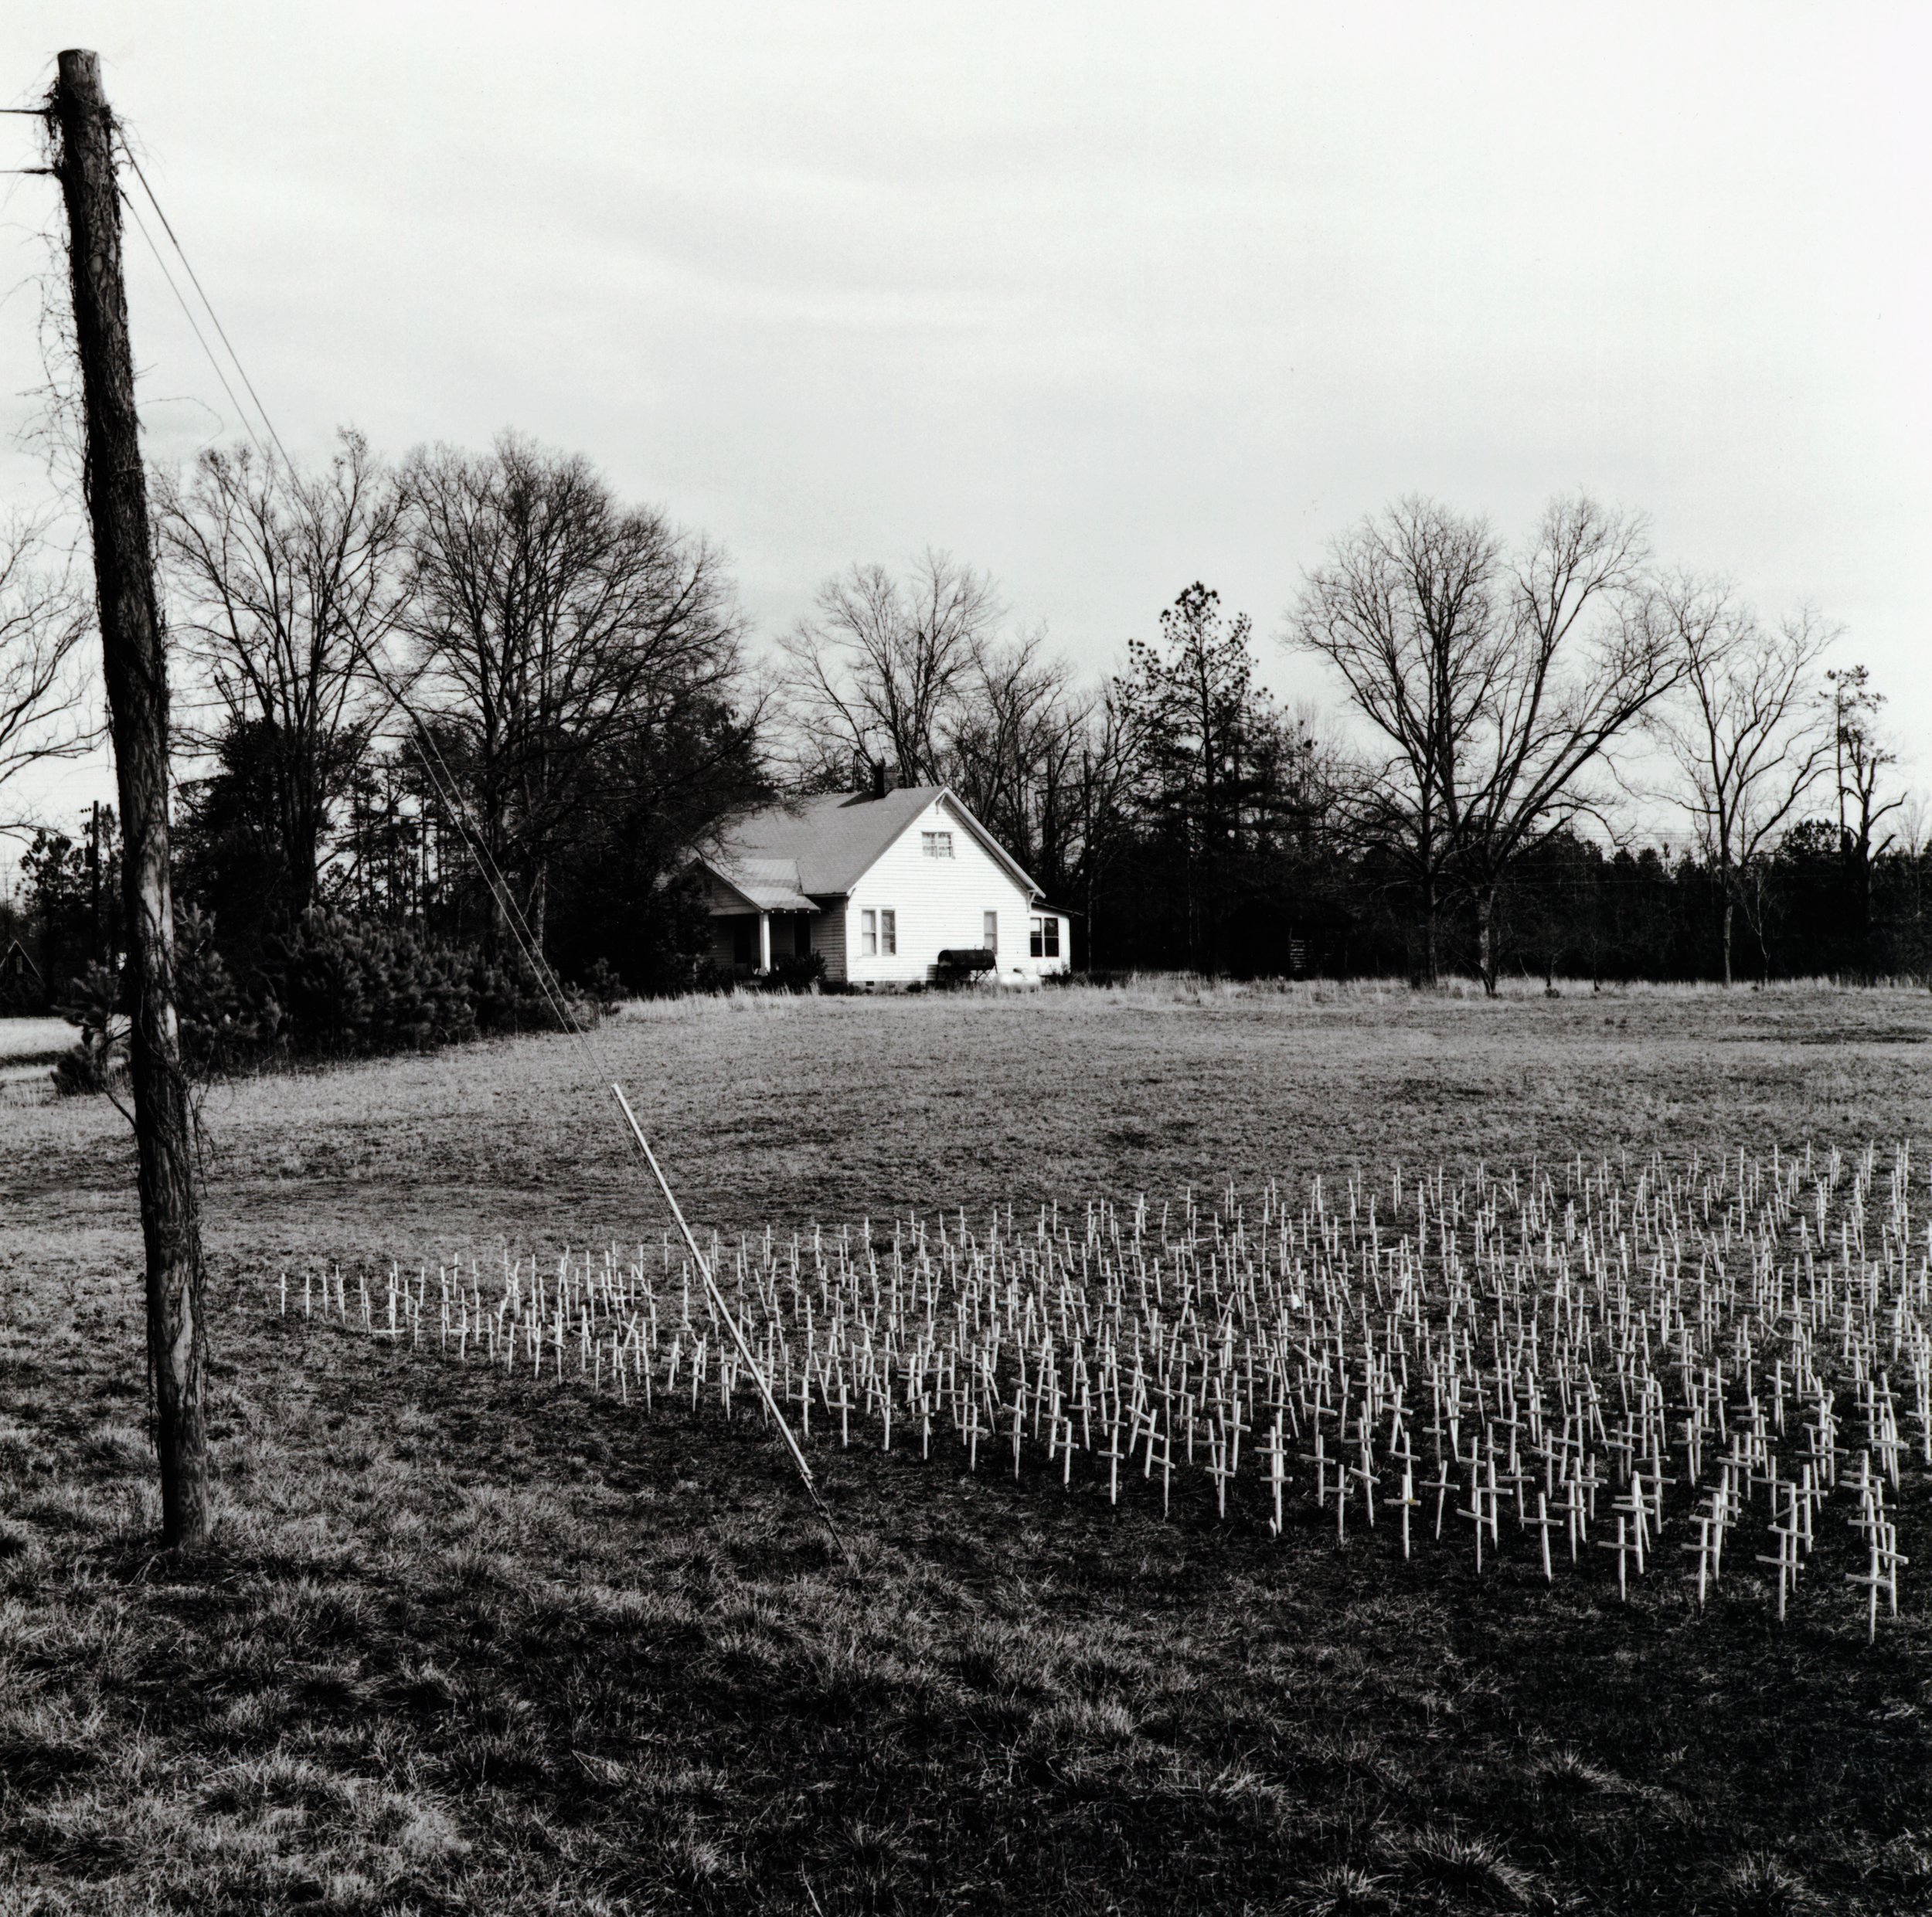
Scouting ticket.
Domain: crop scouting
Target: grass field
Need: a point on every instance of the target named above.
(28, 1048)
(464, 1644)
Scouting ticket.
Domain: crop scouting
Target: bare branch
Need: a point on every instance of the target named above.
(46, 613)
(549, 622)
(1498, 683)
(882, 660)
(1743, 731)
(284, 584)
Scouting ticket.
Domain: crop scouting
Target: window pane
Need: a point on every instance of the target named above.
(889, 932)
(1051, 929)
(869, 935)
(990, 937)
(1035, 937)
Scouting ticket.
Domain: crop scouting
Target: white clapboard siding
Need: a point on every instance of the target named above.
(829, 937)
(941, 904)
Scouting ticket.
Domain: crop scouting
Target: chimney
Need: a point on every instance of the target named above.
(862, 770)
(879, 778)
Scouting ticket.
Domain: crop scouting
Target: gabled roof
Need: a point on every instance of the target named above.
(824, 846)
(772, 884)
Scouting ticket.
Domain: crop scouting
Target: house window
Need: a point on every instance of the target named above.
(889, 932)
(868, 934)
(936, 844)
(990, 937)
(1046, 937)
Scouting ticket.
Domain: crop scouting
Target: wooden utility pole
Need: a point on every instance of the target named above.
(137, 675)
(97, 949)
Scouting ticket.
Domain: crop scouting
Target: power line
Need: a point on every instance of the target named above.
(444, 779)
(188, 264)
(187, 312)
(449, 793)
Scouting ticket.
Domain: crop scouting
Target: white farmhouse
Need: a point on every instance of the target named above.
(879, 883)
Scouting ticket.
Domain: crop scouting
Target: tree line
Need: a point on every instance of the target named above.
(1510, 711)
(432, 708)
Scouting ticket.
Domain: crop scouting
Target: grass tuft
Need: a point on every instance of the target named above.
(467, 1645)
(1762, 1886)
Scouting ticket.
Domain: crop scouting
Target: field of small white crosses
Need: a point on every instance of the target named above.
(1310, 1451)
(1658, 1365)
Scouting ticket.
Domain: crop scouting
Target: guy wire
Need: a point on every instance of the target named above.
(449, 791)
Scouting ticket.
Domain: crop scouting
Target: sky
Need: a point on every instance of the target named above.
(1104, 299)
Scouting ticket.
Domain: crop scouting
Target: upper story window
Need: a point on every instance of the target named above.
(936, 844)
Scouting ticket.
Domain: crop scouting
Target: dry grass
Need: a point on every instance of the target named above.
(29, 1048)
(467, 1645)
(33, 1038)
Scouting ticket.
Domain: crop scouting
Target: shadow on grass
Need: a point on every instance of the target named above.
(462, 1644)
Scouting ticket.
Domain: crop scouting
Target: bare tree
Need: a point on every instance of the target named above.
(45, 614)
(881, 658)
(1577, 671)
(1405, 610)
(1860, 758)
(284, 585)
(1913, 836)
(1743, 731)
(1497, 682)
(1013, 745)
(550, 622)
(1109, 755)
(1326, 774)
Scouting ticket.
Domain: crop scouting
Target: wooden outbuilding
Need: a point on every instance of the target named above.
(22, 987)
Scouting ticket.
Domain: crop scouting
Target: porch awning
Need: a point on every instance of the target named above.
(766, 884)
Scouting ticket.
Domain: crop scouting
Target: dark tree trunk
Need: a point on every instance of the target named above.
(1858, 857)
(137, 677)
(1486, 939)
(1430, 971)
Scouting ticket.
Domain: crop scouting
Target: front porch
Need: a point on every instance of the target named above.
(752, 943)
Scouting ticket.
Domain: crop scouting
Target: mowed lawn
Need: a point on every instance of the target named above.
(463, 1644)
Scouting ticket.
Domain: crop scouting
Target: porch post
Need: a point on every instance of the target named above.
(764, 941)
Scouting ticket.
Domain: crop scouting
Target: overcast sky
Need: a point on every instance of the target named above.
(1104, 299)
